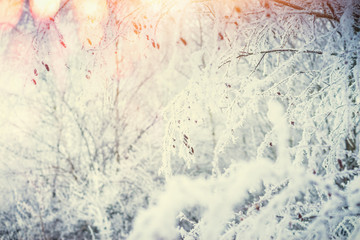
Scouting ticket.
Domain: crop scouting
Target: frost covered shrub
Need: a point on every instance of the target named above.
(275, 174)
(244, 112)
(79, 147)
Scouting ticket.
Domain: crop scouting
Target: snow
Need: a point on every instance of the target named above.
(176, 119)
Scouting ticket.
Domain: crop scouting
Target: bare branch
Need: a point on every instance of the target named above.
(142, 132)
(246, 54)
(316, 14)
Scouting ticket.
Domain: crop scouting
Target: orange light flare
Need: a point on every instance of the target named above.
(10, 12)
(94, 11)
(44, 9)
(91, 15)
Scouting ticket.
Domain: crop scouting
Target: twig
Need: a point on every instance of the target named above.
(316, 14)
(130, 147)
(257, 65)
(246, 54)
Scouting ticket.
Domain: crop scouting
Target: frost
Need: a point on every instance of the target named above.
(179, 119)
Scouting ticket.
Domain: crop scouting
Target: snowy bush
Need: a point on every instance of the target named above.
(180, 119)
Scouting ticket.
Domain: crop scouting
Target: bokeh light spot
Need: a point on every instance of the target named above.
(10, 12)
(41, 9)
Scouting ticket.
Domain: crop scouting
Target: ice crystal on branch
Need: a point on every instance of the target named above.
(179, 119)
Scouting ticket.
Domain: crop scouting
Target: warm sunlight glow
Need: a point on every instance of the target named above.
(44, 8)
(90, 10)
(90, 14)
(10, 12)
